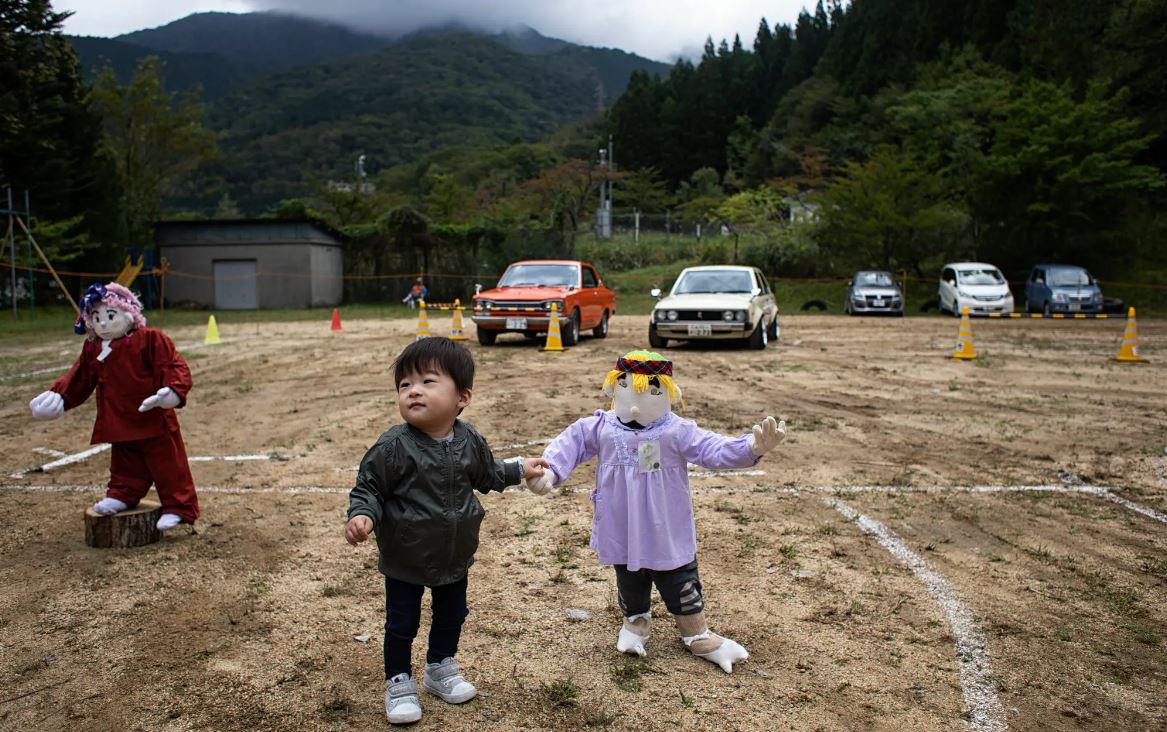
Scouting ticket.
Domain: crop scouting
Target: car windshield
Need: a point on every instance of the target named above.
(981, 277)
(535, 275)
(714, 280)
(873, 279)
(1066, 277)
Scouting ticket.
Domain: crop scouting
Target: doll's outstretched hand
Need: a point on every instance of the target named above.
(164, 399)
(537, 476)
(767, 436)
(47, 405)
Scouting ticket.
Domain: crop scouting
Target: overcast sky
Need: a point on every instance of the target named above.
(659, 29)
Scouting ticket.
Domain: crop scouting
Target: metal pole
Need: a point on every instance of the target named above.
(31, 276)
(12, 248)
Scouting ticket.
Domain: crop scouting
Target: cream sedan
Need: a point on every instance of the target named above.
(722, 302)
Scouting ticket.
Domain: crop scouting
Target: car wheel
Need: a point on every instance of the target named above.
(1026, 306)
(774, 329)
(757, 339)
(570, 335)
(601, 330)
(487, 337)
(654, 340)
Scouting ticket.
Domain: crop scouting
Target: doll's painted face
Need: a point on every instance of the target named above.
(644, 407)
(110, 323)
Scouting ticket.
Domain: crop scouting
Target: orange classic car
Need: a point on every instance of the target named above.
(521, 302)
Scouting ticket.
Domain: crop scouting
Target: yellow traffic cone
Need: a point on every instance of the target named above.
(1129, 351)
(964, 341)
(212, 336)
(456, 326)
(423, 321)
(554, 341)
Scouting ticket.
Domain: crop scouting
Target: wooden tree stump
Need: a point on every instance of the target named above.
(134, 527)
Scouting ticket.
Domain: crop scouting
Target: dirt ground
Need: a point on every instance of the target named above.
(248, 623)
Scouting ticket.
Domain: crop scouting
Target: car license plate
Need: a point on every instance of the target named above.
(516, 323)
(1075, 306)
(878, 303)
(701, 330)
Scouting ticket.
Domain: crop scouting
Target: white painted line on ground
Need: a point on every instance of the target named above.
(209, 458)
(1092, 490)
(723, 473)
(67, 460)
(200, 489)
(983, 709)
(517, 445)
(66, 367)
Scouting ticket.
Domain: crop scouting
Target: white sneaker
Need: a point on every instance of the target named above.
(445, 680)
(401, 703)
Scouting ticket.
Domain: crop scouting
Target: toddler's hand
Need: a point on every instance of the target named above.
(534, 467)
(357, 529)
(767, 436)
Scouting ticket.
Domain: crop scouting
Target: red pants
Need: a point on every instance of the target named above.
(161, 460)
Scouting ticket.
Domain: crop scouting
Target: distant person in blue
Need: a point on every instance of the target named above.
(416, 293)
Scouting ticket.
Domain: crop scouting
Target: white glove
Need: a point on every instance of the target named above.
(164, 399)
(47, 405)
(541, 485)
(767, 436)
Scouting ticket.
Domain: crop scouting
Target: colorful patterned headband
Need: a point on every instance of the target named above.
(649, 368)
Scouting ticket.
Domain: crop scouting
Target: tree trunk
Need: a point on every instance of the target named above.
(133, 527)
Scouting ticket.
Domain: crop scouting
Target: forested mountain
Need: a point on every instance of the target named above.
(1029, 129)
(392, 105)
(261, 41)
(212, 73)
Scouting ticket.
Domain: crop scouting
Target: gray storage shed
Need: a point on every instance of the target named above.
(244, 264)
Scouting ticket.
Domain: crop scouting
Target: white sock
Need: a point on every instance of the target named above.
(109, 506)
(168, 521)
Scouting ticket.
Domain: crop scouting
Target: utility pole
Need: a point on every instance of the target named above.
(604, 213)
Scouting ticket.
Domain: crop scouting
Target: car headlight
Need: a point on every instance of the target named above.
(741, 316)
(557, 303)
(857, 297)
(1059, 297)
(727, 315)
(672, 315)
(485, 304)
(658, 315)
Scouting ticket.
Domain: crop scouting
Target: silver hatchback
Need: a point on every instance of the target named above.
(871, 292)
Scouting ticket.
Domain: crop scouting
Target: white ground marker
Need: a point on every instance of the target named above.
(983, 708)
(67, 460)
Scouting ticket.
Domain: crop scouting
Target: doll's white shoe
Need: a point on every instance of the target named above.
(634, 635)
(168, 521)
(109, 506)
(725, 655)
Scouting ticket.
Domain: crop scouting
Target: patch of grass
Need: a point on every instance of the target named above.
(564, 555)
(526, 525)
(627, 675)
(686, 701)
(1153, 566)
(559, 693)
(559, 577)
(723, 506)
(598, 718)
(745, 520)
(790, 551)
(828, 529)
(1143, 633)
(1122, 601)
(1063, 634)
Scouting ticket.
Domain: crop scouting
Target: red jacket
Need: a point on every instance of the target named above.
(141, 363)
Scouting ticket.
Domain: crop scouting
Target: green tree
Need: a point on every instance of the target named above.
(889, 212)
(48, 135)
(155, 139)
(643, 189)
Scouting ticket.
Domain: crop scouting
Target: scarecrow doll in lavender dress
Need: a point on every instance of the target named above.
(643, 522)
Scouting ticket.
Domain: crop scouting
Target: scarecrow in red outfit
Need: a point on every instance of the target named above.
(140, 378)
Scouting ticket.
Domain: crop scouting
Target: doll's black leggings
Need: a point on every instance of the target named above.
(680, 588)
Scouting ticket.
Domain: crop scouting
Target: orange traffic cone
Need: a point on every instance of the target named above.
(554, 340)
(1129, 351)
(964, 341)
(212, 336)
(456, 326)
(336, 320)
(423, 321)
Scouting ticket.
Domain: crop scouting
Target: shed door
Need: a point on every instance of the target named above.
(235, 284)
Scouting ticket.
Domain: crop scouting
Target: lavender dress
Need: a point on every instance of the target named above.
(643, 513)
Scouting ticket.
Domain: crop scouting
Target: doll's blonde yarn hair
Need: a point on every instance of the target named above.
(641, 367)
